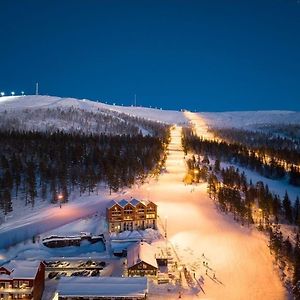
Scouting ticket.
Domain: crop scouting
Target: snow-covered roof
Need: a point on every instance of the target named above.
(23, 269)
(123, 203)
(103, 286)
(111, 203)
(141, 251)
(134, 202)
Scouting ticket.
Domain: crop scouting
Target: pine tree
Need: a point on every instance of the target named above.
(287, 207)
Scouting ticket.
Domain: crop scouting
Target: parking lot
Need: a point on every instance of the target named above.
(56, 269)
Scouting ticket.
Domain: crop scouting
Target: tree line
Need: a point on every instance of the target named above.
(36, 165)
(253, 204)
(278, 146)
(74, 119)
(239, 154)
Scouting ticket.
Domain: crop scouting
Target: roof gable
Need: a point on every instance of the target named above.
(141, 252)
(123, 203)
(22, 269)
(134, 202)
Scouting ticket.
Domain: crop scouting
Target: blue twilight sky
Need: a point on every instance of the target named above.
(208, 55)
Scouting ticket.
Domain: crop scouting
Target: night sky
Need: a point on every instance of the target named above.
(205, 55)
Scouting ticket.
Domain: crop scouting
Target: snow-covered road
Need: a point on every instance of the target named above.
(239, 257)
(40, 221)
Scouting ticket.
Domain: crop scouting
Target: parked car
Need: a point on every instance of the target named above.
(85, 273)
(51, 275)
(95, 273)
(81, 265)
(60, 275)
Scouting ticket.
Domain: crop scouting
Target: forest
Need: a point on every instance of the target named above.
(249, 204)
(243, 156)
(40, 165)
(74, 119)
(280, 147)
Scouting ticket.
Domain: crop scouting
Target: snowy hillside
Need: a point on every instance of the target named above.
(249, 119)
(17, 103)
(22, 106)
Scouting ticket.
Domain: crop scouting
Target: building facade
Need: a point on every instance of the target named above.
(131, 215)
(141, 260)
(22, 280)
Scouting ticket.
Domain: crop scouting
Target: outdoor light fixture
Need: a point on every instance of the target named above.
(2, 94)
(12, 93)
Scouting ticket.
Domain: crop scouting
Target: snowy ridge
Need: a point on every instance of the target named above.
(247, 119)
(15, 103)
(238, 119)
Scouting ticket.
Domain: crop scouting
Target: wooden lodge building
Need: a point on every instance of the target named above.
(22, 280)
(131, 215)
(141, 260)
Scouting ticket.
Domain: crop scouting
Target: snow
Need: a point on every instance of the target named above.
(240, 119)
(104, 286)
(15, 103)
(50, 217)
(276, 186)
(21, 269)
(141, 252)
(201, 126)
(249, 119)
(238, 256)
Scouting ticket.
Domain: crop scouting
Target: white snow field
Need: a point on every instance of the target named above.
(250, 119)
(238, 256)
(15, 103)
(241, 119)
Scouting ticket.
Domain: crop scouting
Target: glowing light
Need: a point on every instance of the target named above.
(12, 93)
(2, 94)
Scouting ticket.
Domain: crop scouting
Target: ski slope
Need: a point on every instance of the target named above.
(238, 256)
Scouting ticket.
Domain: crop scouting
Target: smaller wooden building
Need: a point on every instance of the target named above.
(22, 280)
(141, 260)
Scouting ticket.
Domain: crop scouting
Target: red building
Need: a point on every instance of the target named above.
(22, 280)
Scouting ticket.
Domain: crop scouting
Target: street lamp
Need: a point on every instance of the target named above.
(2, 94)
(60, 197)
(22, 93)
(12, 93)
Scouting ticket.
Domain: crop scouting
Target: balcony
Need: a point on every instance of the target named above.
(115, 219)
(10, 290)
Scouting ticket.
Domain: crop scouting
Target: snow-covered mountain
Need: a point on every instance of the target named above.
(41, 113)
(16, 103)
(250, 119)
